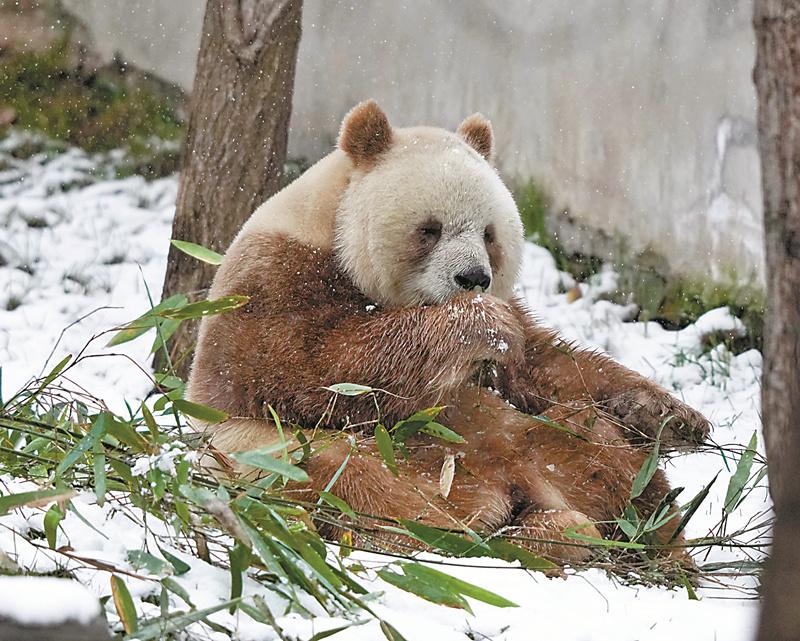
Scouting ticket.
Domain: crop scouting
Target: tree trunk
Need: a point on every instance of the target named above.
(777, 78)
(236, 143)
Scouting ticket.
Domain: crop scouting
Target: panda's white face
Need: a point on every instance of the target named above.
(429, 220)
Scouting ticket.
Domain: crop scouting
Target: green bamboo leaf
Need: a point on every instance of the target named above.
(162, 628)
(124, 605)
(256, 458)
(405, 429)
(386, 448)
(239, 557)
(205, 308)
(133, 330)
(435, 592)
(99, 469)
(52, 518)
(203, 412)
(440, 431)
(180, 567)
(572, 533)
(98, 430)
(691, 507)
(55, 371)
(507, 551)
(646, 472)
(390, 632)
(125, 433)
(319, 636)
(150, 421)
(423, 572)
(631, 530)
(339, 504)
(198, 251)
(690, 591)
(141, 560)
(176, 588)
(349, 389)
(739, 479)
(558, 426)
(444, 541)
(36, 498)
(122, 470)
(146, 321)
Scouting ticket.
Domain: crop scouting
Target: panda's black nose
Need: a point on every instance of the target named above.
(472, 278)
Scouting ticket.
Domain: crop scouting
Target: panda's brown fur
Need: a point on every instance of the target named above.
(307, 326)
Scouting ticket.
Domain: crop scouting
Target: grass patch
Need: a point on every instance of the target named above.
(97, 111)
(645, 279)
(535, 205)
(675, 302)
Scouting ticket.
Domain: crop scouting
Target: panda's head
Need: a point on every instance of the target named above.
(425, 215)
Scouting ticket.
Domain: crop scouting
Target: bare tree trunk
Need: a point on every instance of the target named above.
(777, 78)
(236, 143)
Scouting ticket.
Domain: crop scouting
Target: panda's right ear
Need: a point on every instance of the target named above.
(365, 133)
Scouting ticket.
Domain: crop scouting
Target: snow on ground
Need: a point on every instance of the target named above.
(67, 600)
(78, 252)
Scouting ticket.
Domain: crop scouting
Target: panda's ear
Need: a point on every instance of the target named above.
(476, 130)
(365, 133)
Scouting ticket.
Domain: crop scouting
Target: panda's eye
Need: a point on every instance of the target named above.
(431, 231)
(488, 235)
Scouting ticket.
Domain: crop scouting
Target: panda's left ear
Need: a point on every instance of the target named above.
(365, 133)
(476, 130)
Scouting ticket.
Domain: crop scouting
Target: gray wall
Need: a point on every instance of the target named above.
(638, 116)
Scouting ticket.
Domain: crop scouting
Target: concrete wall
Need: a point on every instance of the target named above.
(638, 116)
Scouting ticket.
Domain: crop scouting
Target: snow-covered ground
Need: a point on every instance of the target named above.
(78, 254)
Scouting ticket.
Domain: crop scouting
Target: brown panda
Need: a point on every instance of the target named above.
(391, 264)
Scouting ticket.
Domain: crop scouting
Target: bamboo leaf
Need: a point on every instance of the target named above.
(440, 431)
(99, 469)
(339, 504)
(691, 507)
(463, 587)
(646, 472)
(141, 560)
(52, 518)
(239, 557)
(37, 498)
(205, 308)
(256, 458)
(162, 628)
(146, 321)
(442, 540)
(405, 429)
(123, 603)
(125, 433)
(507, 551)
(55, 371)
(180, 567)
(572, 533)
(390, 632)
(435, 591)
(739, 479)
(386, 448)
(202, 412)
(558, 426)
(349, 389)
(98, 430)
(198, 251)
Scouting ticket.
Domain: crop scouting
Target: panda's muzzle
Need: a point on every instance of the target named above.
(473, 278)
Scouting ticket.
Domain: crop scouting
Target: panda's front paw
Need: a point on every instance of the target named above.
(652, 412)
(497, 328)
